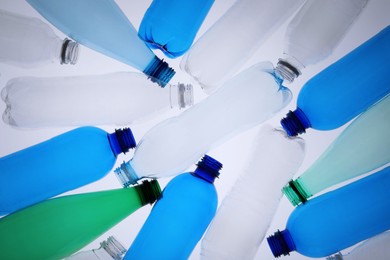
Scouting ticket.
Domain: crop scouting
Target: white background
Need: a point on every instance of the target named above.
(233, 154)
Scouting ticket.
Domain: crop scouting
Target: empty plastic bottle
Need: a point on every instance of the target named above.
(179, 219)
(103, 26)
(222, 50)
(376, 247)
(338, 219)
(314, 33)
(59, 227)
(60, 164)
(109, 249)
(254, 198)
(171, 26)
(175, 144)
(362, 147)
(344, 89)
(28, 42)
(118, 98)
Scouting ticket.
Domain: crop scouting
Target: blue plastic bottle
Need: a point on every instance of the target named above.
(60, 164)
(102, 26)
(338, 219)
(179, 219)
(171, 25)
(344, 89)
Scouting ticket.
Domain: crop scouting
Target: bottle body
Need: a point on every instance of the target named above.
(171, 26)
(117, 98)
(58, 227)
(60, 164)
(344, 89)
(252, 201)
(362, 147)
(28, 42)
(338, 219)
(108, 31)
(226, 46)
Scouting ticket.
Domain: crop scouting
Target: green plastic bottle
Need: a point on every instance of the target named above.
(362, 147)
(57, 228)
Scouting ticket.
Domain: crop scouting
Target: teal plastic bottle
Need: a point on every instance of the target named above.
(60, 164)
(179, 219)
(102, 26)
(362, 147)
(171, 25)
(338, 219)
(344, 89)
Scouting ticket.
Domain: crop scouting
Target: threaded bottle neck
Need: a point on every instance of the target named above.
(208, 169)
(281, 243)
(69, 52)
(295, 122)
(181, 95)
(287, 71)
(115, 249)
(337, 256)
(296, 192)
(126, 174)
(159, 71)
(149, 191)
(121, 141)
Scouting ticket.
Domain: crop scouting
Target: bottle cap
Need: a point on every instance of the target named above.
(69, 52)
(296, 192)
(295, 122)
(149, 191)
(159, 71)
(122, 140)
(281, 243)
(126, 174)
(115, 249)
(208, 169)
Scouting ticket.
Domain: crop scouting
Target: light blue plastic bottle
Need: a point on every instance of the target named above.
(102, 26)
(181, 216)
(344, 89)
(338, 219)
(60, 164)
(171, 25)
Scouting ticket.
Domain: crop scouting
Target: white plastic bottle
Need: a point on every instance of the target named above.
(254, 198)
(118, 98)
(175, 144)
(28, 42)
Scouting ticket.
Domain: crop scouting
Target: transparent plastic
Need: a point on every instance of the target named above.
(60, 164)
(59, 227)
(171, 25)
(28, 42)
(362, 147)
(314, 33)
(175, 144)
(254, 198)
(109, 249)
(376, 247)
(338, 219)
(179, 219)
(222, 50)
(105, 29)
(117, 98)
(344, 89)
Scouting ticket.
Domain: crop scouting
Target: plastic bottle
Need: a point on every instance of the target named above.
(102, 26)
(28, 42)
(60, 164)
(59, 227)
(171, 26)
(179, 219)
(178, 142)
(109, 249)
(117, 98)
(376, 247)
(344, 89)
(338, 219)
(314, 33)
(362, 147)
(254, 198)
(223, 49)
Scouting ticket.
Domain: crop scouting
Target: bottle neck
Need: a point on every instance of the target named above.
(115, 249)
(337, 256)
(289, 68)
(181, 95)
(295, 122)
(208, 169)
(159, 71)
(121, 141)
(126, 174)
(296, 192)
(281, 243)
(148, 191)
(69, 52)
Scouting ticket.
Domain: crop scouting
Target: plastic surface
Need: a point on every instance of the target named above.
(60, 164)
(339, 219)
(105, 29)
(344, 89)
(362, 147)
(254, 197)
(230, 42)
(118, 98)
(245, 101)
(58, 227)
(171, 25)
(28, 42)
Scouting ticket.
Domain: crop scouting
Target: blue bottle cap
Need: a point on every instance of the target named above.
(208, 169)
(122, 140)
(281, 243)
(295, 122)
(159, 71)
